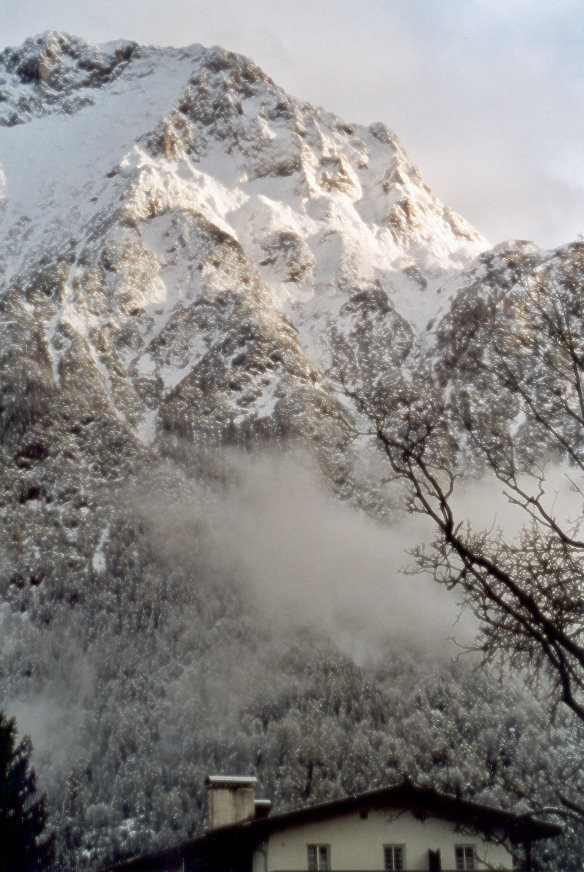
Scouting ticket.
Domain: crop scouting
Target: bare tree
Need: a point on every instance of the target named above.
(514, 379)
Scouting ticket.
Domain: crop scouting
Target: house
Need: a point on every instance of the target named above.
(396, 828)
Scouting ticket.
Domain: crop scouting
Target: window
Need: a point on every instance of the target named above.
(319, 858)
(393, 856)
(465, 858)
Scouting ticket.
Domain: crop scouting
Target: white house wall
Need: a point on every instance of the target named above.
(356, 844)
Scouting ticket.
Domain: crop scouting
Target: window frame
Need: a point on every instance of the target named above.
(392, 847)
(314, 861)
(465, 848)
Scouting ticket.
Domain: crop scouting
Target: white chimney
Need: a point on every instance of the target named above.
(230, 799)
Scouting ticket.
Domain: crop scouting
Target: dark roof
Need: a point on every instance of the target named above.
(421, 801)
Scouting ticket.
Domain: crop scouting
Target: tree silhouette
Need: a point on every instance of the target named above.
(22, 813)
(508, 394)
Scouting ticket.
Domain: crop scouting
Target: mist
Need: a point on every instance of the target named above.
(486, 504)
(305, 560)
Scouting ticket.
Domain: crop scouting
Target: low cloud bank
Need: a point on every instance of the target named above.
(306, 560)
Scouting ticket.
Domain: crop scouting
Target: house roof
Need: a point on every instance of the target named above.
(423, 802)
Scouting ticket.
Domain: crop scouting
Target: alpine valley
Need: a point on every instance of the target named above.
(193, 267)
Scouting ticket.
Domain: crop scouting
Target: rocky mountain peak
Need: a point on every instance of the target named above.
(58, 71)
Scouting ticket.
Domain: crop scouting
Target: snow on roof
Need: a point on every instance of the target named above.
(231, 780)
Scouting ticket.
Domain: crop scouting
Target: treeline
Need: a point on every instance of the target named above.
(158, 675)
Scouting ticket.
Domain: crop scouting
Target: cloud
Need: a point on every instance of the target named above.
(304, 560)
(485, 503)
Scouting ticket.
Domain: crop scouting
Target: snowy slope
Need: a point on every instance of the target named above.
(106, 153)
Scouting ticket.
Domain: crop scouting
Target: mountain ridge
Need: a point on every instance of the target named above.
(126, 192)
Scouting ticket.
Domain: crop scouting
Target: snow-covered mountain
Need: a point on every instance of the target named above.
(189, 257)
(158, 202)
(182, 245)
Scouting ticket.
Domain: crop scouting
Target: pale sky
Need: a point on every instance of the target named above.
(486, 96)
